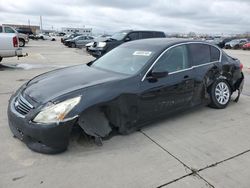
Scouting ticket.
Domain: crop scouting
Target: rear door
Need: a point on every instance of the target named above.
(81, 41)
(205, 62)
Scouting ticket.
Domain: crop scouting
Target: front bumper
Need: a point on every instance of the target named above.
(49, 138)
(96, 52)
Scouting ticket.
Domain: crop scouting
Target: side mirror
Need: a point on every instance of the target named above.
(127, 39)
(158, 74)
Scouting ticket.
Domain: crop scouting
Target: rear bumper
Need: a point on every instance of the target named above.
(19, 52)
(49, 138)
(240, 83)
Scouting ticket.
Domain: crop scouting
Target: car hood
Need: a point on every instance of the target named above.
(51, 85)
(69, 40)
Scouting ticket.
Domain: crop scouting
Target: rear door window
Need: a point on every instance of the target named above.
(159, 34)
(1, 29)
(145, 35)
(199, 53)
(215, 54)
(133, 36)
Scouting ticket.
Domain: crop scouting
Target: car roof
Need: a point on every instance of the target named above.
(159, 44)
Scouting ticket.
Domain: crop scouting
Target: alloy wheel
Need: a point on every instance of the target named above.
(222, 93)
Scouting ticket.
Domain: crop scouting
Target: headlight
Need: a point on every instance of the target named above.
(101, 44)
(56, 112)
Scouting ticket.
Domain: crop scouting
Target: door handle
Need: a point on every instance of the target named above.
(186, 77)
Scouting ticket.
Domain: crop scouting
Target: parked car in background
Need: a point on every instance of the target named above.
(9, 46)
(61, 34)
(23, 38)
(70, 36)
(101, 47)
(246, 46)
(45, 36)
(127, 88)
(99, 38)
(88, 45)
(235, 44)
(26, 31)
(78, 42)
(222, 42)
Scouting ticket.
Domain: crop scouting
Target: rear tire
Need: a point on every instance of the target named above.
(220, 94)
(21, 42)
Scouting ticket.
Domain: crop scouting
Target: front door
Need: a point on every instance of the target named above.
(173, 92)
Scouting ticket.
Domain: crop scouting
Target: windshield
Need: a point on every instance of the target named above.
(118, 36)
(124, 60)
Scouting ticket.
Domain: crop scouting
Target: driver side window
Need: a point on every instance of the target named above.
(172, 60)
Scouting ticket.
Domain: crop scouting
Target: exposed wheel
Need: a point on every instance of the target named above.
(220, 94)
(21, 42)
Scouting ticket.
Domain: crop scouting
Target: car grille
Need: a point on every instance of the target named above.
(22, 105)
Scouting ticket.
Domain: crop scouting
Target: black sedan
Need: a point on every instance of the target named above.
(125, 89)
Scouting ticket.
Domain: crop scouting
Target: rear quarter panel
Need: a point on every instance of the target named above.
(6, 48)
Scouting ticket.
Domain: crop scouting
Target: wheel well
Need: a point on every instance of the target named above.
(224, 79)
(94, 122)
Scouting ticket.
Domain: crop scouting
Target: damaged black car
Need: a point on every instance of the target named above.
(125, 89)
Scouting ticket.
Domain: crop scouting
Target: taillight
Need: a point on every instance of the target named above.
(15, 42)
(241, 66)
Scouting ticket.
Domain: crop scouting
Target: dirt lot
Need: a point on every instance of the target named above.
(203, 147)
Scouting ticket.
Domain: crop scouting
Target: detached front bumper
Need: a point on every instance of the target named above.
(49, 138)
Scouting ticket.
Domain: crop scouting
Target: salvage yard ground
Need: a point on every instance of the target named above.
(202, 147)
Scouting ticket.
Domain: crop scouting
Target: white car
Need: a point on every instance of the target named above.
(9, 46)
(44, 36)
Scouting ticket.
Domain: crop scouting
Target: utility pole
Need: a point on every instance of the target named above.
(41, 23)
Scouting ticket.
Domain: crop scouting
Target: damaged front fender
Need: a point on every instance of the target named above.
(94, 123)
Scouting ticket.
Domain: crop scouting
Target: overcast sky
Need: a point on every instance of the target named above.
(182, 16)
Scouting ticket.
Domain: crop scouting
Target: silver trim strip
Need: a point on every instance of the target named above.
(195, 42)
(25, 101)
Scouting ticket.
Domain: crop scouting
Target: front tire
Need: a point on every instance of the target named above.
(21, 42)
(220, 94)
(1, 59)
